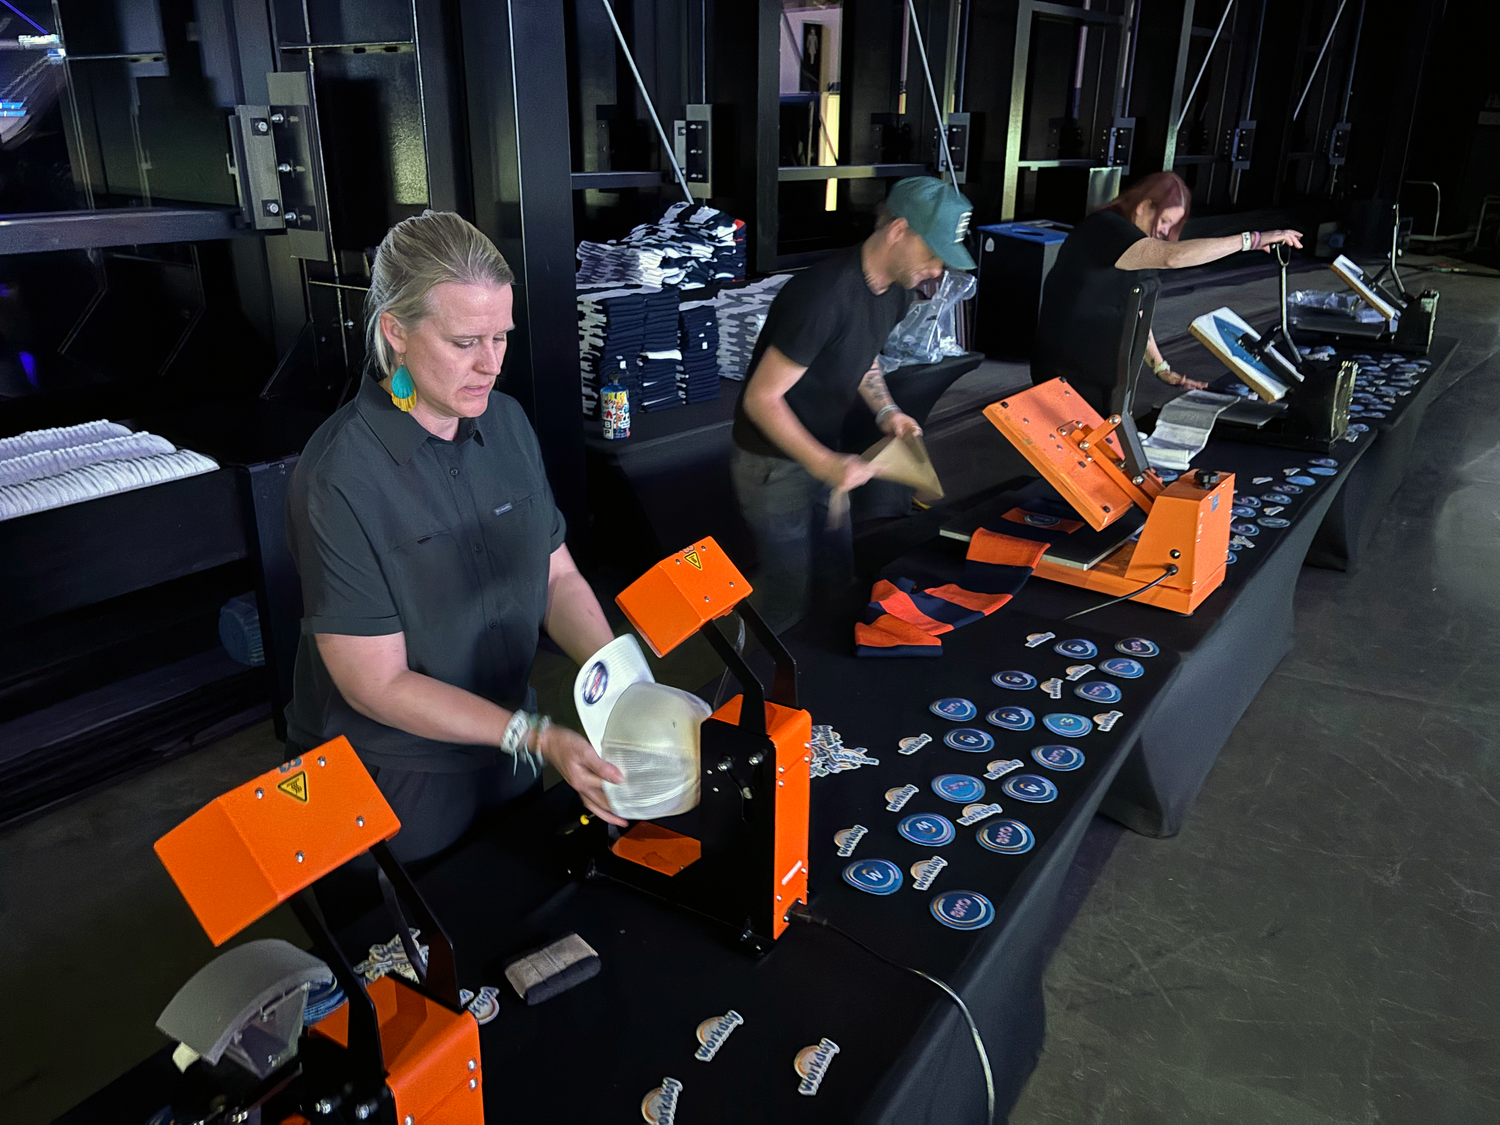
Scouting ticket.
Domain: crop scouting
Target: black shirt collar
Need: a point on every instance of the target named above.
(400, 433)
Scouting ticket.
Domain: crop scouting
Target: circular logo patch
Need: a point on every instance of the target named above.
(1030, 788)
(1303, 480)
(1068, 725)
(874, 876)
(1061, 758)
(1322, 471)
(1325, 462)
(596, 684)
(1011, 718)
(928, 829)
(954, 707)
(959, 788)
(1242, 512)
(1248, 530)
(1292, 489)
(1137, 646)
(1016, 681)
(1037, 519)
(1249, 501)
(1123, 667)
(1098, 691)
(1077, 648)
(1008, 836)
(1274, 521)
(1277, 498)
(1233, 558)
(969, 740)
(963, 910)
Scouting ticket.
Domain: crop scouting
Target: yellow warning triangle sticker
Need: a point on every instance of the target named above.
(295, 786)
(693, 559)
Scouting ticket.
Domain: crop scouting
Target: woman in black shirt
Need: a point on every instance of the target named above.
(1083, 301)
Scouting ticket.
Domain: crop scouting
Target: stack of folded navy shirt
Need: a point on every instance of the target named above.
(611, 338)
(698, 379)
(660, 354)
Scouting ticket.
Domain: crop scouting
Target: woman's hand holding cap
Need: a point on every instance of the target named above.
(573, 757)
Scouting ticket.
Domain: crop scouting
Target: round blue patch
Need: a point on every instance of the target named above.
(1137, 646)
(1030, 788)
(1016, 681)
(1292, 489)
(1067, 725)
(1240, 511)
(1098, 691)
(1233, 558)
(1274, 521)
(970, 740)
(1277, 498)
(1039, 519)
(1249, 501)
(1304, 481)
(1011, 718)
(1057, 757)
(1359, 428)
(928, 829)
(1078, 649)
(1010, 837)
(1123, 667)
(954, 707)
(1248, 530)
(959, 788)
(1323, 471)
(963, 910)
(875, 876)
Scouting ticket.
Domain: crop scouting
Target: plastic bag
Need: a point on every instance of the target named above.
(929, 330)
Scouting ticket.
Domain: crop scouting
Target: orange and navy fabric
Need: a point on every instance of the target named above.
(902, 620)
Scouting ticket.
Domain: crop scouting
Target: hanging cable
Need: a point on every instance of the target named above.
(651, 109)
(942, 118)
(801, 913)
(1171, 570)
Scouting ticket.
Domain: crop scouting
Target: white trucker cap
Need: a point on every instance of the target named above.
(603, 679)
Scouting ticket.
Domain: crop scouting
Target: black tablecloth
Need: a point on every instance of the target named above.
(905, 1055)
(1228, 647)
(1362, 502)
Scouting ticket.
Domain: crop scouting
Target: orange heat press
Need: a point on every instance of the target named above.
(397, 1052)
(740, 857)
(1099, 466)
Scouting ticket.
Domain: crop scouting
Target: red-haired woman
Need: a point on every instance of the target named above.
(1083, 301)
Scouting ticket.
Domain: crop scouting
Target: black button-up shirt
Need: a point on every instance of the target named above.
(449, 542)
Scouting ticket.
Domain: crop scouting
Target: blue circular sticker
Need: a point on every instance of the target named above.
(1292, 489)
(1010, 837)
(1016, 681)
(1137, 646)
(876, 876)
(1246, 529)
(954, 707)
(1241, 512)
(1123, 667)
(1323, 471)
(1233, 558)
(1277, 498)
(1359, 428)
(1303, 480)
(1030, 788)
(959, 788)
(1070, 726)
(1078, 648)
(1040, 519)
(1057, 757)
(928, 829)
(963, 910)
(1011, 718)
(1274, 521)
(1098, 691)
(1249, 501)
(970, 740)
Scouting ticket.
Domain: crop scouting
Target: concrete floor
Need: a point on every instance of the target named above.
(1320, 945)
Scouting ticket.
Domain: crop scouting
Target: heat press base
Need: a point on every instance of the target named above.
(1109, 577)
(658, 848)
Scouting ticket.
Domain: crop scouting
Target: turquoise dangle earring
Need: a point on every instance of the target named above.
(403, 390)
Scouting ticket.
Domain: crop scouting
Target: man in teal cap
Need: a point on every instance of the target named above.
(814, 356)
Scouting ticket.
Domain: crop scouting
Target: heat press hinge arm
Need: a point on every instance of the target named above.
(1142, 489)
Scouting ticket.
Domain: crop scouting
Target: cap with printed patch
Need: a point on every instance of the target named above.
(937, 212)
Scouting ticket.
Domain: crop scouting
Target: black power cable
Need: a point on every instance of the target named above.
(801, 913)
(1171, 570)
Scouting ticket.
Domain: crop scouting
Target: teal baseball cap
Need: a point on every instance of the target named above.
(936, 211)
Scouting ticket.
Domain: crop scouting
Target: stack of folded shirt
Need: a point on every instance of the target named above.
(698, 378)
(741, 313)
(689, 247)
(660, 354)
(51, 468)
(611, 337)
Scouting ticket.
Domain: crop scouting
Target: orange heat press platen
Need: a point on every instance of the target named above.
(660, 849)
(790, 731)
(1067, 441)
(681, 594)
(259, 844)
(431, 1054)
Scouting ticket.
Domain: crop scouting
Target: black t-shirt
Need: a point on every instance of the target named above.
(1083, 308)
(449, 542)
(827, 320)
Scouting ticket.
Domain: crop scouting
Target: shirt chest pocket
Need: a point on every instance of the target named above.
(433, 583)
